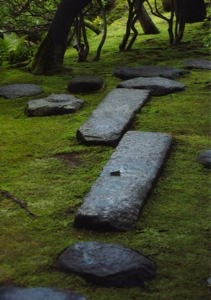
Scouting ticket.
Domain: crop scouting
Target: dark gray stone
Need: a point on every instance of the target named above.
(204, 158)
(112, 117)
(117, 197)
(55, 104)
(19, 90)
(198, 64)
(38, 293)
(107, 264)
(126, 73)
(157, 85)
(85, 84)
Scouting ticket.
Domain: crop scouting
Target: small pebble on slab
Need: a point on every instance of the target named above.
(112, 117)
(126, 73)
(107, 264)
(37, 293)
(157, 85)
(117, 197)
(55, 104)
(85, 84)
(19, 90)
(198, 64)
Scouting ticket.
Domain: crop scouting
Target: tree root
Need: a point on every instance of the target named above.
(21, 203)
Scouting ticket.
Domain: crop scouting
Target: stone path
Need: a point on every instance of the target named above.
(115, 200)
(38, 293)
(126, 73)
(107, 264)
(55, 104)
(19, 90)
(157, 85)
(111, 118)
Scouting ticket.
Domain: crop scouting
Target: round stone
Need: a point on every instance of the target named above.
(85, 84)
(204, 158)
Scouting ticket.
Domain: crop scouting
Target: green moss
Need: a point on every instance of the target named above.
(43, 164)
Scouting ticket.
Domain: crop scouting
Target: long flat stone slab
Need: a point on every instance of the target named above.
(55, 104)
(126, 73)
(19, 90)
(111, 118)
(117, 197)
(157, 85)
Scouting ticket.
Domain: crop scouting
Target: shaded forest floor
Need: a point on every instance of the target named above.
(42, 163)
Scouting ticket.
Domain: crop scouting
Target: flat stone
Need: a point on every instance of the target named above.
(107, 264)
(19, 90)
(126, 73)
(117, 197)
(204, 158)
(198, 64)
(112, 117)
(157, 85)
(85, 84)
(55, 104)
(38, 293)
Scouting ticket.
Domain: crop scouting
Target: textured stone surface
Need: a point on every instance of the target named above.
(204, 158)
(148, 71)
(115, 200)
(198, 64)
(85, 84)
(107, 264)
(55, 104)
(38, 293)
(110, 119)
(157, 85)
(19, 90)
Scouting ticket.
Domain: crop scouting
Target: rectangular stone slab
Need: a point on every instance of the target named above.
(116, 199)
(112, 117)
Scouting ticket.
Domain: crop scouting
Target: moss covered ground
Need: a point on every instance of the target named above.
(42, 163)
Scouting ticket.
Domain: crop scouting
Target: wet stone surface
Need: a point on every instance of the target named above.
(106, 264)
(157, 85)
(19, 90)
(117, 197)
(38, 293)
(111, 118)
(85, 84)
(204, 158)
(198, 64)
(55, 104)
(126, 73)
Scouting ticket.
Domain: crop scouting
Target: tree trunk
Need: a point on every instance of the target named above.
(167, 5)
(146, 22)
(50, 54)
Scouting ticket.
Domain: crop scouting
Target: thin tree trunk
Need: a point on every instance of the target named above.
(50, 54)
(146, 22)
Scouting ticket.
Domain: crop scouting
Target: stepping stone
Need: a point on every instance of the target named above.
(85, 84)
(19, 90)
(198, 64)
(117, 197)
(55, 104)
(148, 71)
(204, 158)
(107, 264)
(112, 117)
(157, 85)
(38, 293)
